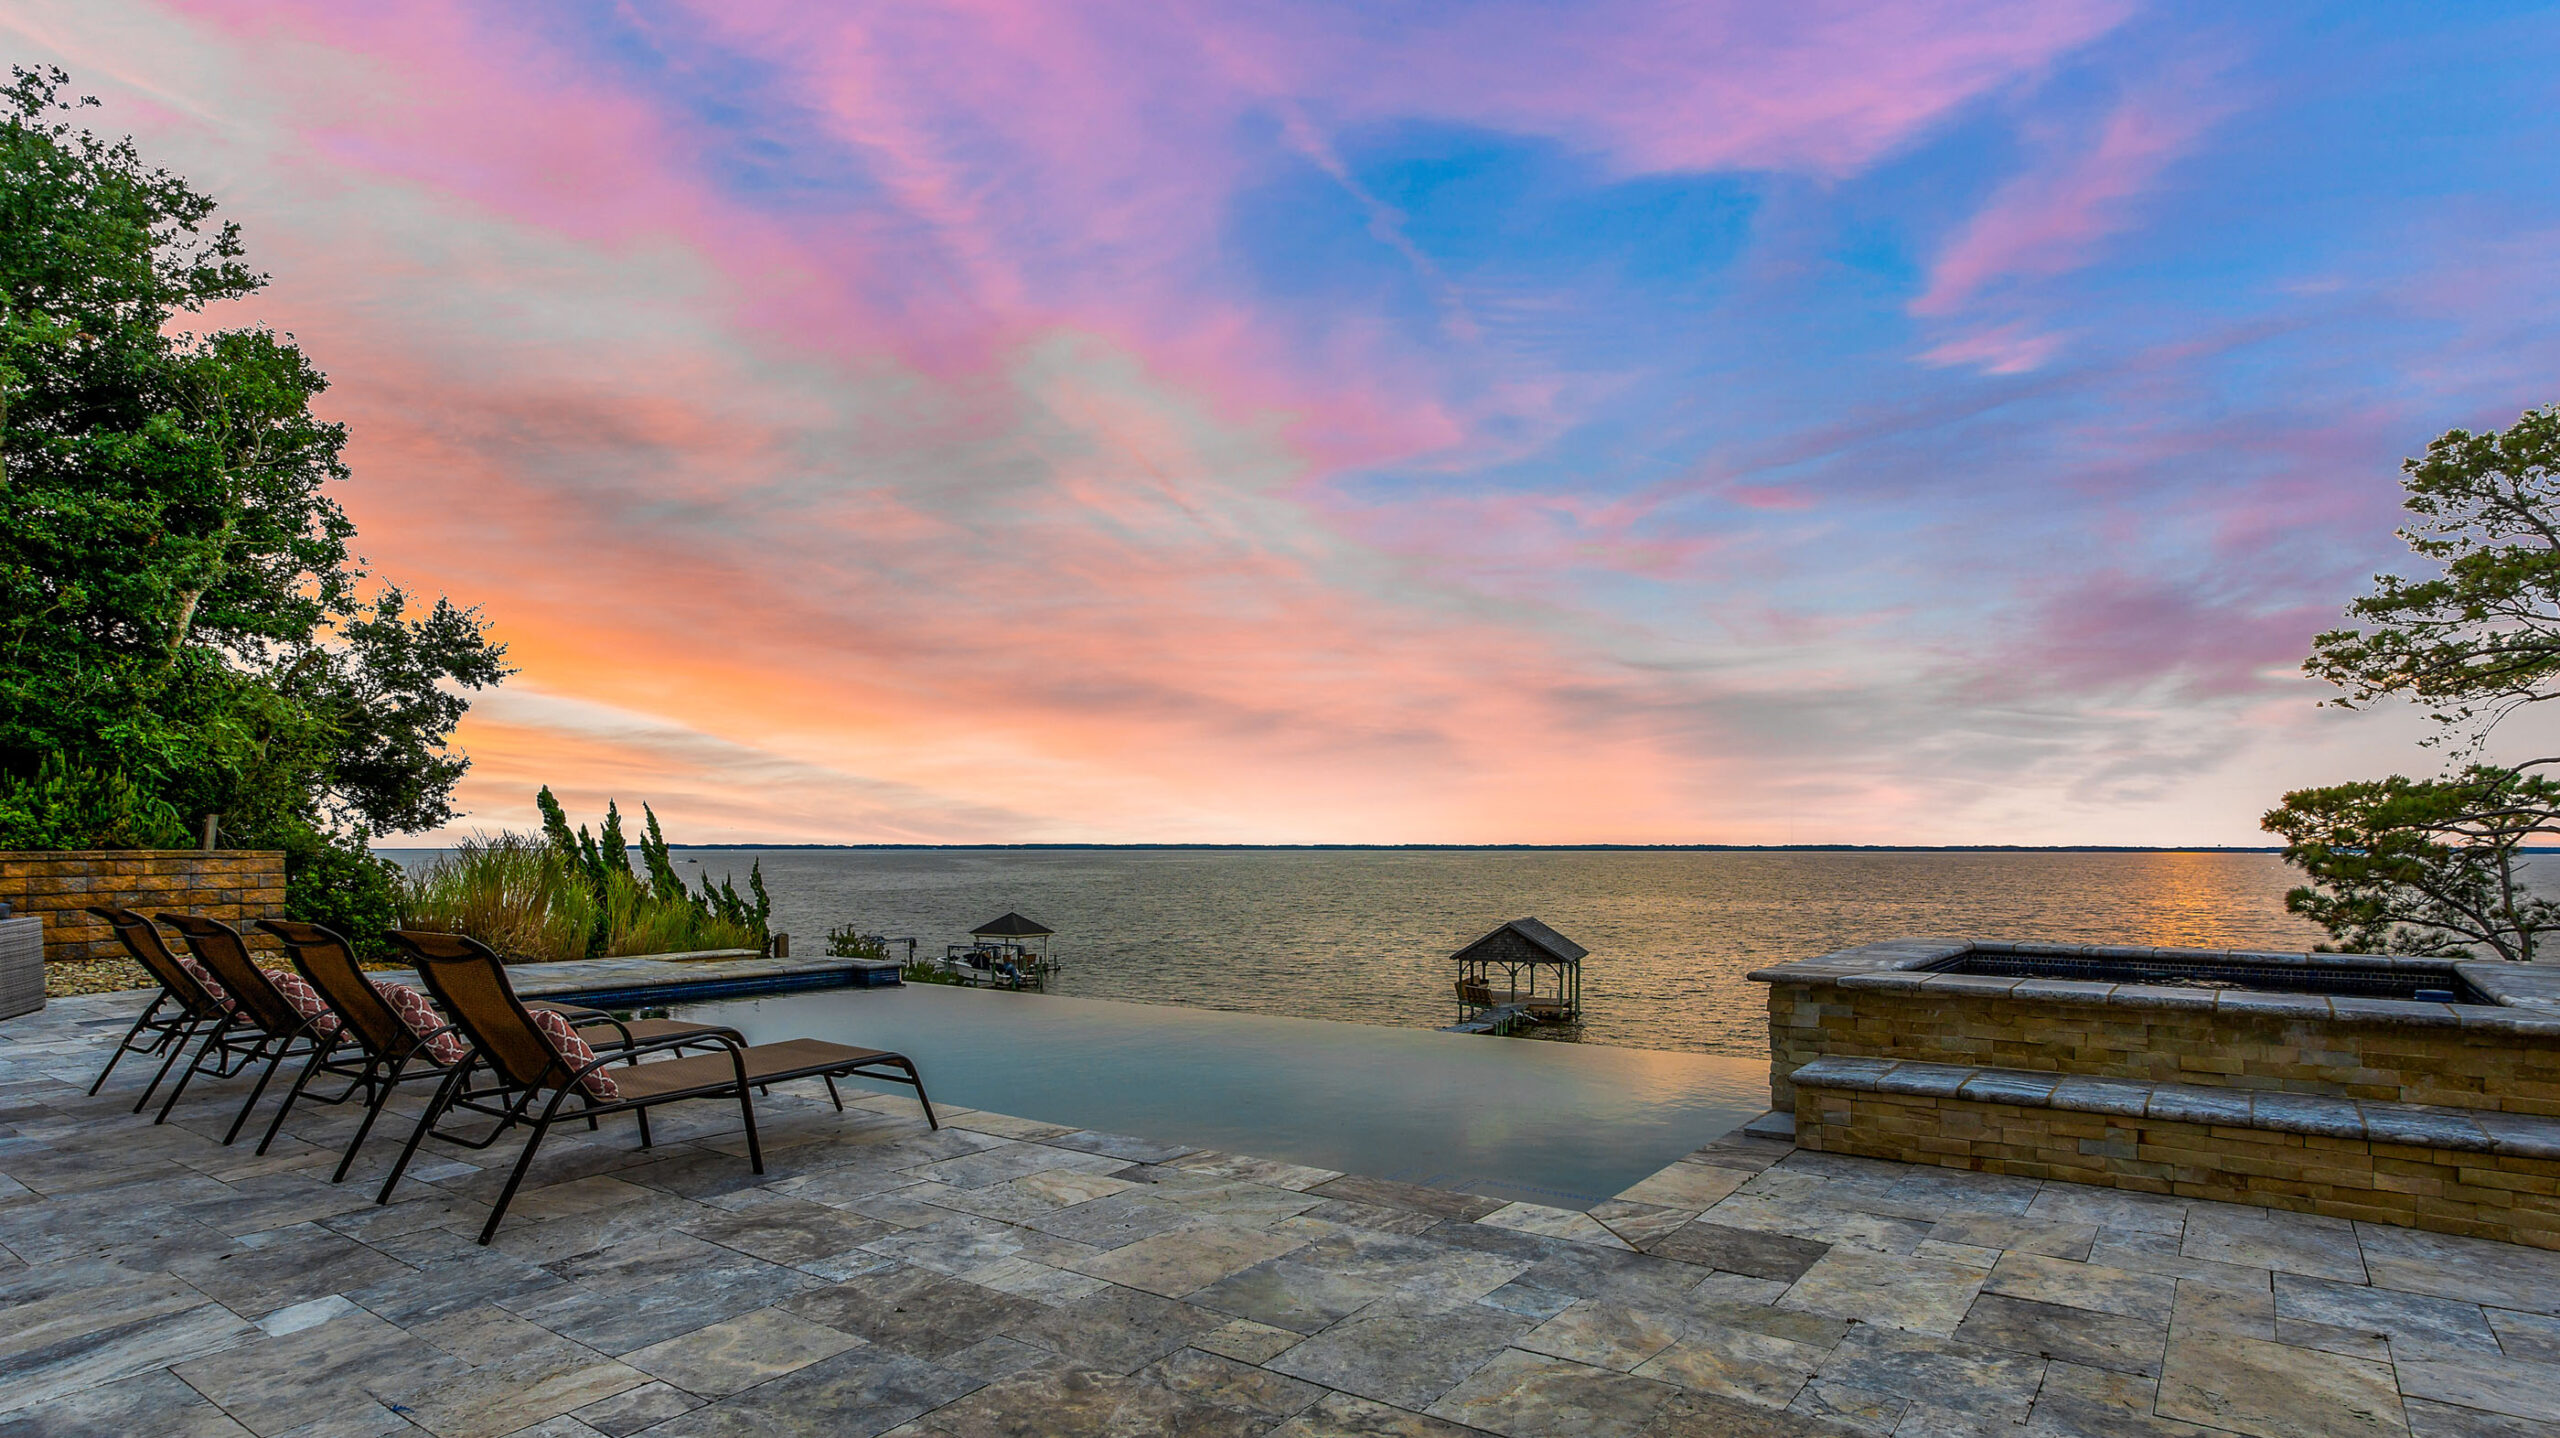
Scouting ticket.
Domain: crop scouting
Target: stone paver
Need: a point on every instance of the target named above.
(1011, 1276)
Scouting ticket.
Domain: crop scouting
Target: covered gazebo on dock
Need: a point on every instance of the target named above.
(1522, 970)
(1016, 932)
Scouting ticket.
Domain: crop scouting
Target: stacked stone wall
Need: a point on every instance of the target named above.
(2480, 1195)
(2390, 1061)
(236, 886)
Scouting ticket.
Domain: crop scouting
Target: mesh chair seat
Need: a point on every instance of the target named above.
(766, 1064)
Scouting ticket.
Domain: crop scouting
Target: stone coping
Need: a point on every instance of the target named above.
(2415, 1125)
(2527, 995)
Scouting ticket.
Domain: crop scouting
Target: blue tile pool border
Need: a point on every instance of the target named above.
(643, 981)
(652, 995)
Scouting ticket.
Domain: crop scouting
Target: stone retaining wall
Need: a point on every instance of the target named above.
(2481, 1195)
(233, 885)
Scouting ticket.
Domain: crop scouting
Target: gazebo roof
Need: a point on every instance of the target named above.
(1540, 937)
(1011, 926)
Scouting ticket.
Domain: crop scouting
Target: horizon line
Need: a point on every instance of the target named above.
(1546, 848)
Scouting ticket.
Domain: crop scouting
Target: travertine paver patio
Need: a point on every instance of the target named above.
(1010, 1277)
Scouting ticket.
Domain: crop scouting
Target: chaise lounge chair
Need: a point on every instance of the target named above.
(197, 1006)
(532, 1068)
(391, 1027)
(258, 1022)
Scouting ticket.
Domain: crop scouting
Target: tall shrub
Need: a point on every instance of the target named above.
(652, 911)
(513, 892)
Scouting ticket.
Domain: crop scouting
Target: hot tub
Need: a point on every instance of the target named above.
(2472, 1034)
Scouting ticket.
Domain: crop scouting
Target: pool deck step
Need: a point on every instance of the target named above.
(640, 981)
(2469, 1130)
(2473, 1171)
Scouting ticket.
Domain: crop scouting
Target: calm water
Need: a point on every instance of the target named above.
(1559, 1124)
(1365, 936)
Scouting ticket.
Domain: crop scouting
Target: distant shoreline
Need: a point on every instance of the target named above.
(1559, 848)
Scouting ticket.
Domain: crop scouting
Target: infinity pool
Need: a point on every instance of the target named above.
(1562, 1124)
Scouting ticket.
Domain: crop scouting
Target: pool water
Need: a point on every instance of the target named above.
(1567, 1125)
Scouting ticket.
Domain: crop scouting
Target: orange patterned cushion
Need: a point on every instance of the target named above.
(574, 1052)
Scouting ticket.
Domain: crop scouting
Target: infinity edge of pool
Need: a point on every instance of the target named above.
(1562, 1124)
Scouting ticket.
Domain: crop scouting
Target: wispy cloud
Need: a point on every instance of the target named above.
(2059, 214)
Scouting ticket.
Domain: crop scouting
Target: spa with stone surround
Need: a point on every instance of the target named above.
(2408, 1091)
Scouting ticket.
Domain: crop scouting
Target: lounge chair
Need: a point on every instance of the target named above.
(198, 1006)
(391, 1026)
(533, 1068)
(258, 1023)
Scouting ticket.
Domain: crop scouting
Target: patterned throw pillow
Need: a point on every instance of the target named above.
(416, 1011)
(294, 990)
(213, 989)
(574, 1052)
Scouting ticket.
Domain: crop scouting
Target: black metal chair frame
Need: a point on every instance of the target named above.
(174, 1032)
(381, 1071)
(245, 1034)
(514, 1097)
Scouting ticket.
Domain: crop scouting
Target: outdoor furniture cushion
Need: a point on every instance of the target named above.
(575, 1052)
(212, 986)
(419, 1013)
(304, 998)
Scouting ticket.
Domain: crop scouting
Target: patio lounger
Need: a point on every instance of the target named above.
(392, 1028)
(197, 1006)
(534, 1068)
(258, 1023)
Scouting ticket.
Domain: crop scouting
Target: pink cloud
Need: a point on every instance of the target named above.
(1825, 86)
(1047, 165)
(2002, 349)
(2122, 632)
(1784, 498)
(2051, 219)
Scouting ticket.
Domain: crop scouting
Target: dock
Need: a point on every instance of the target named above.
(1500, 1019)
(1520, 974)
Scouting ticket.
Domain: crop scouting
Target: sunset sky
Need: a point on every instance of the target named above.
(1488, 422)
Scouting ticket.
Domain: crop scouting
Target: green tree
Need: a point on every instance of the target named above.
(2433, 866)
(183, 628)
(2422, 866)
(716, 901)
(2481, 639)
